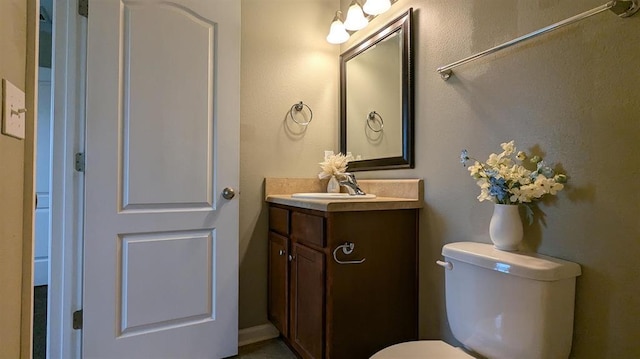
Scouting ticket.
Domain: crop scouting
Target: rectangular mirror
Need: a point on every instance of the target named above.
(376, 99)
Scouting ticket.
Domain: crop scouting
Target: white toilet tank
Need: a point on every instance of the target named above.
(506, 305)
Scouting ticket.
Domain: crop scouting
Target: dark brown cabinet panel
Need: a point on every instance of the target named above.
(373, 304)
(346, 304)
(307, 301)
(279, 220)
(278, 282)
(307, 229)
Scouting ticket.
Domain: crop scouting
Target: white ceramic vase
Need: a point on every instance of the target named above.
(333, 186)
(505, 228)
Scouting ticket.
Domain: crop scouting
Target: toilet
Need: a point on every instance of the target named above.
(501, 305)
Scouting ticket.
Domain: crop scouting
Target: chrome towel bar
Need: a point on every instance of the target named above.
(620, 8)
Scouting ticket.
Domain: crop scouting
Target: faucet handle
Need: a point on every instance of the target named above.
(351, 184)
(350, 177)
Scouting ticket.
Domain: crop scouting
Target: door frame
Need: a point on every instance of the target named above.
(32, 29)
(67, 185)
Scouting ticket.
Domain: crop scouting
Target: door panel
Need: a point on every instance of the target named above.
(181, 130)
(150, 269)
(307, 301)
(161, 244)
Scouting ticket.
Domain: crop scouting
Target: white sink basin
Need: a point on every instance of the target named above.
(340, 196)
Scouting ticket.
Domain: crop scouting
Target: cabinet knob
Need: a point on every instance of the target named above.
(281, 252)
(291, 258)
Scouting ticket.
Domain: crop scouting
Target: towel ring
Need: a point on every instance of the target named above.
(372, 117)
(347, 248)
(298, 107)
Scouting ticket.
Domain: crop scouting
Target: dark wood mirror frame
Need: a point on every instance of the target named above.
(404, 23)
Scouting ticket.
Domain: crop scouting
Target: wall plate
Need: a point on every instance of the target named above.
(13, 110)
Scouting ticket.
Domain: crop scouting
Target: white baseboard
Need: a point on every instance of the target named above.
(257, 334)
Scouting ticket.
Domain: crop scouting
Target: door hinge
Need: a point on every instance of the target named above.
(77, 319)
(83, 8)
(79, 162)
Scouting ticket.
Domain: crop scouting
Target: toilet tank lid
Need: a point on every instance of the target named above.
(523, 264)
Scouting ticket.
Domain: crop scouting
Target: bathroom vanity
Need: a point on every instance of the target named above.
(343, 273)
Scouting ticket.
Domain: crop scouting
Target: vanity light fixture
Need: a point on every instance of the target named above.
(376, 7)
(355, 17)
(337, 33)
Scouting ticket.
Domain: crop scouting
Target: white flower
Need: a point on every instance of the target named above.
(508, 148)
(484, 195)
(476, 170)
(520, 195)
(548, 185)
(334, 164)
(494, 160)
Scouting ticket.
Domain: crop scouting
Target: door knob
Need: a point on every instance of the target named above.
(228, 193)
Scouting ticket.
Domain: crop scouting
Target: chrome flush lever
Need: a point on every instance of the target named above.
(445, 264)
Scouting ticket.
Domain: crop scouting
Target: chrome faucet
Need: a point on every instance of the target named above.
(349, 181)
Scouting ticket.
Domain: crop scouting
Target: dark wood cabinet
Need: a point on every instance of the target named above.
(328, 303)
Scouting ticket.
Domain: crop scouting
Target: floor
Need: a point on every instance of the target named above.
(269, 349)
(40, 321)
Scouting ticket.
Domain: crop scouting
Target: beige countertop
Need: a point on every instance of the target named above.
(390, 194)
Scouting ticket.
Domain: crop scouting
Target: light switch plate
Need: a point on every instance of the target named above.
(13, 110)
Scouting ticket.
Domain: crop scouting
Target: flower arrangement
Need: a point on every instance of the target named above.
(503, 181)
(333, 164)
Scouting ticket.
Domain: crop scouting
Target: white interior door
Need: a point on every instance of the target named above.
(162, 142)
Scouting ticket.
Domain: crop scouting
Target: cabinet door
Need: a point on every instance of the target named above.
(278, 281)
(307, 301)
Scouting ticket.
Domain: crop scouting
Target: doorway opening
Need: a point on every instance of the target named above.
(59, 188)
(43, 183)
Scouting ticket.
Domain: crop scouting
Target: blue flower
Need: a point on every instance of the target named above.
(545, 170)
(498, 188)
(464, 157)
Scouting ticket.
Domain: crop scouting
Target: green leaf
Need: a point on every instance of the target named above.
(529, 213)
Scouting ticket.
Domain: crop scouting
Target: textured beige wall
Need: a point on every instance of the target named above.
(285, 59)
(573, 94)
(13, 40)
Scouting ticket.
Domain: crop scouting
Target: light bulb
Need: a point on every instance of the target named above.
(355, 17)
(376, 7)
(337, 32)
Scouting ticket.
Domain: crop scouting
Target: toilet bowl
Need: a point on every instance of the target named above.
(422, 349)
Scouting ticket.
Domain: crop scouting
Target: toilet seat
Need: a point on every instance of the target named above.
(422, 349)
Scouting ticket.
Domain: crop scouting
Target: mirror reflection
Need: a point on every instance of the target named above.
(374, 95)
(377, 99)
